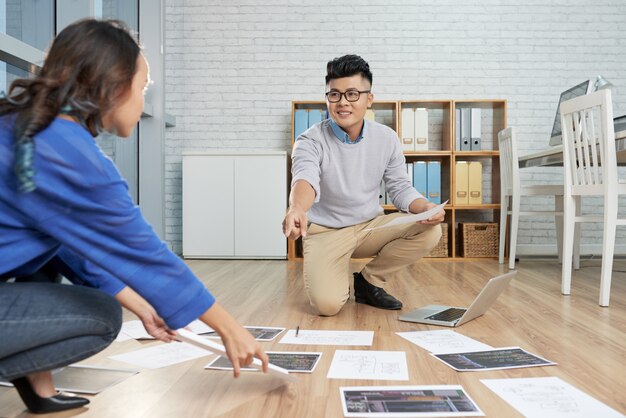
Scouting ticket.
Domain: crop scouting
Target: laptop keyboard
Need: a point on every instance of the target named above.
(448, 315)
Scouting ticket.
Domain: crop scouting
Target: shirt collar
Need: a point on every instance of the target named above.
(342, 135)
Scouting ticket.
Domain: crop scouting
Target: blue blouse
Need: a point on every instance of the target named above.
(81, 211)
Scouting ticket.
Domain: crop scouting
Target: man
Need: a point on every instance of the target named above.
(337, 168)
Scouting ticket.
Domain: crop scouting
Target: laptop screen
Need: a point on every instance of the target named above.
(577, 90)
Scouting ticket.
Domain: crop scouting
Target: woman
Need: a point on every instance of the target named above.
(64, 205)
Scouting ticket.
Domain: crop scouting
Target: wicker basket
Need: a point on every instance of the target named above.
(441, 249)
(478, 239)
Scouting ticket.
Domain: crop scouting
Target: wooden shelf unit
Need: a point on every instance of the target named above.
(441, 131)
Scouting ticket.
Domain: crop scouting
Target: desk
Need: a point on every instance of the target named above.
(554, 156)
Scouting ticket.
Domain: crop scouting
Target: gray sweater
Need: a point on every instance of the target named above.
(346, 177)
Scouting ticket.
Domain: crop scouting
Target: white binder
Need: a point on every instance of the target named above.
(421, 129)
(408, 129)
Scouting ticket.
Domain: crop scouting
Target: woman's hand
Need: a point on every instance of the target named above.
(151, 321)
(240, 345)
(156, 326)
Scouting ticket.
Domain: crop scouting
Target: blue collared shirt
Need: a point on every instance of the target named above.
(342, 135)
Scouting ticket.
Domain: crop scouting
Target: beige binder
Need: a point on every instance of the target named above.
(408, 129)
(461, 183)
(475, 181)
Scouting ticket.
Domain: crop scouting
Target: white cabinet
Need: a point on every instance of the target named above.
(234, 204)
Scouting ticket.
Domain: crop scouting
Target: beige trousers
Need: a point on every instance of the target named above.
(327, 253)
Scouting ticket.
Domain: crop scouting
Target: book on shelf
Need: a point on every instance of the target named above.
(421, 129)
(315, 116)
(301, 122)
(434, 181)
(461, 183)
(408, 129)
(466, 125)
(475, 182)
(420, 177)
(475, 129)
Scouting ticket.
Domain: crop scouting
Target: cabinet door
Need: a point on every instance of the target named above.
(260, 203)
(208, 198)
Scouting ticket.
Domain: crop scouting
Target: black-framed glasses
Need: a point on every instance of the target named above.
(351, 95)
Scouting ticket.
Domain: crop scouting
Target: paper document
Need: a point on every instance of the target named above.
(294, 362)
(212, 346)
(444, 341)
(319, 337)
(407, 401)
(259, 333)
(134, 329)
(162, 355)
(540, 397)
(494, 359)
(416, 217)
(370, 365)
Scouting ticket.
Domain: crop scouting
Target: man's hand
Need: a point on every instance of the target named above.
(422, 205)
(437, 218)
(295, 223)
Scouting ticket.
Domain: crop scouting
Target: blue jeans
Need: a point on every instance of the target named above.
(45, 325)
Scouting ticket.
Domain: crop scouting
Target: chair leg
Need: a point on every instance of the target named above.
(515, 207)
(504, 208)
(608, 247)
(558, 221)
(568, 243)
(577, 226)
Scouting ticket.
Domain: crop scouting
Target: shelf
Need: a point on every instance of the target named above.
(427, 153)
(476, 153)
(441, 133)
(485, 206)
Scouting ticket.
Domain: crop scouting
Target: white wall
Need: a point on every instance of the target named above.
(233, 68)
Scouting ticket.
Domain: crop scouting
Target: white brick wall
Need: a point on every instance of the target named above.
(233, 68)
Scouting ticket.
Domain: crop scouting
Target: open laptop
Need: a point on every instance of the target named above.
(586, 87)
(451, 316)
(578, 90)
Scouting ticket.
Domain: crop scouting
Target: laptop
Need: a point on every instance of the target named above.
(578, 90)
(450, 316)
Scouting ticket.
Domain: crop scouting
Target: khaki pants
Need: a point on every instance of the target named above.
(327, 253)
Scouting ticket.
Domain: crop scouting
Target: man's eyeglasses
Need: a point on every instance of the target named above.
(351, 95)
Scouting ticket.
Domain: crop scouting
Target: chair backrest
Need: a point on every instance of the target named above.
(589, 143)
(509, 164)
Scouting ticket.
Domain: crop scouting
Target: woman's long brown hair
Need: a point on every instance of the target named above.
(88, 69)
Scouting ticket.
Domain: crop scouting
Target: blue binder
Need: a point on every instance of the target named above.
(315, 116)
(301, 122)
(434, 181)
(420, 175)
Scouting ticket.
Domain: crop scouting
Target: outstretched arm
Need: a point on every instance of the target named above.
(301, 199)
(240, 345)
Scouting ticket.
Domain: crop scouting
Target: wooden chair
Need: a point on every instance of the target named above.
(511, 189)
(590, 167)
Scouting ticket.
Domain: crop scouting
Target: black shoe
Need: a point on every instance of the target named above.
(365, 292)
(38, 405)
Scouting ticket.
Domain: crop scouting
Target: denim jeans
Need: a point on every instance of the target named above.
(45, 325)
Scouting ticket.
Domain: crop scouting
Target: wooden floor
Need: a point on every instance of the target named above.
(588, 342)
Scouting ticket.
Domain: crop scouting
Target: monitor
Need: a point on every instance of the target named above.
(578, 90)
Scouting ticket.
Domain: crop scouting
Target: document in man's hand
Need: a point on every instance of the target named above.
(411, 218)
(201, 342)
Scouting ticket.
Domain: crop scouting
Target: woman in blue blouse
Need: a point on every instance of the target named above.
(64, 205)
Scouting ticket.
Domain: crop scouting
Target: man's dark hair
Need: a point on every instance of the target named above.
(347, 66)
